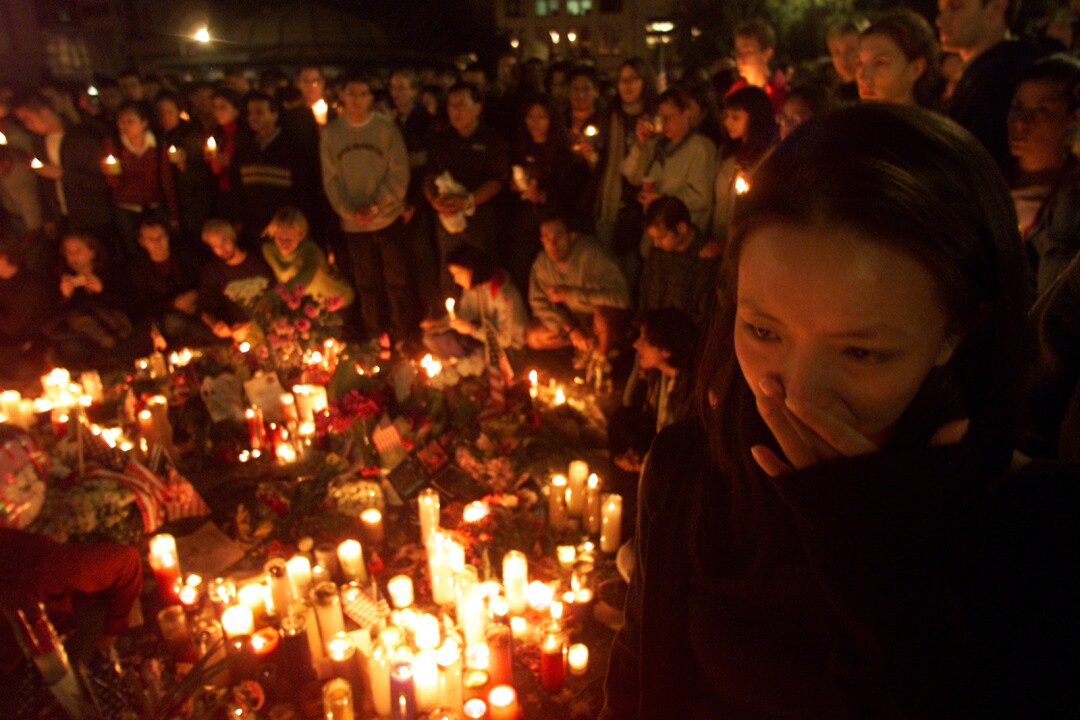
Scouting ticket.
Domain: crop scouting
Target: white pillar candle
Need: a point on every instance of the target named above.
(400, 588)
(379, 671)
(9, 404)
(281, 589)
(516, 580)
(351, 556)
(439, 548)
(426, 634)
(299, 569)
(576, 477)
(237, 621)
(428, 507)
(371, 524)
(320, 402)
(578, 658)
(449, 659)
(253, 597)
(474, 616)
(540, 596)
(611, 524)
(592, 505)
(426, 677)
(557, 502)
(328, 610)
(326, 555)
(305, 403)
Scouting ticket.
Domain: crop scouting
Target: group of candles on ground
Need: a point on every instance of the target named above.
(403, 662)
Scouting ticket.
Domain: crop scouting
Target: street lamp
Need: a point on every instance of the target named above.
(202, 35)
(554, 37)
(658, 32)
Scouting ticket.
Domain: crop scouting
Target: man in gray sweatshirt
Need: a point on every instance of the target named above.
(365, 169)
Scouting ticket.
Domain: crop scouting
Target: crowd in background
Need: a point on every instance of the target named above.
(564, 207)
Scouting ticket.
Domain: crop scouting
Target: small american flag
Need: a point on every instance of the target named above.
(386, 436)
(360, 608)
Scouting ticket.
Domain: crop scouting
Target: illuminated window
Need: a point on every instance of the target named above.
(578, 7)
(547, 7)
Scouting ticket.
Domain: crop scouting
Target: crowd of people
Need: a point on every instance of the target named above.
(833, 469)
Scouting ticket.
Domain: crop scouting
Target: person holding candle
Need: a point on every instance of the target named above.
(751, 127)
(144, 181)
(220, 148)
(231, 283)
(365, 173)
(490, 307)
(183, 143)
(546, 172)
(846, 496)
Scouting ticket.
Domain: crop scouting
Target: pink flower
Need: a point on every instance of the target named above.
(334, 303)
(303, 325)
(293, 303)
(311, 311)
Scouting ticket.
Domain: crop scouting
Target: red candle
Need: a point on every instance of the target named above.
(500, 655)
(165, 563)
(553, 662)
(265, 641)
(256, 430)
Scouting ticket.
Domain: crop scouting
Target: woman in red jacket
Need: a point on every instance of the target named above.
(139, 174)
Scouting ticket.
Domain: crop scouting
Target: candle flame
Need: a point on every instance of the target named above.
(450, 302)
(211, 144)
(560, 397)
(741, 185)
(110, 160)
(245, 347)
(475, 512)
(35, 163)
(533, 378)
(590, 131)
(172, 149)
(3, 139)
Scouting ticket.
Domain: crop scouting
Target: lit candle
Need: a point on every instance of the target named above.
(560, 396)
(265, 641)
(112, 165)
(519, 626)
(449, 659)
(534, 389)
(320, 110)
(475, 512)
(428, 508)
(611, 523)
(500, 642)
(174, 156)
(556, 610)
(478, 657)
(540, 595)
(256, 429)
(578, 658)
(402, 691)
(288, 409)
(36, 164)
(590, 131)
(252, 596)
(211, 146)
(553, 662)
(165, 562)
(337, 700)
(305, 403)
(426, 633)
(502, 703)
(473, 616)
(351, 556)
(3, 139)
(371, 525)
(741, 185)
(592, 505)
(342, 653)
(328, 610)
(400, 588)
(426, 679)
(576, 477)
(566, 555)
(516, 580)
(450, 302)
(281, 588)
(189, 596)
(237, 621)
(557, 502)
(298, 568)
(379, 672)
(474, 709)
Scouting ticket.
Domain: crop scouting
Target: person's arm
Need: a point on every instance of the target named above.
(543, 309)
(113, 571)
(331, 179)
(697, 186)
(634, 164)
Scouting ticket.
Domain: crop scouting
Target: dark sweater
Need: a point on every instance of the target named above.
(914, 585)
(225, 290)
(155, 286)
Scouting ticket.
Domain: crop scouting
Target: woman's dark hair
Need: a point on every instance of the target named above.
(474, 259)
(915, 38)
(644, 71)
(170, 96)
(761, 130)
(101, 256)
(815, 95)
(138, 107)
(230, 96)
(558, 137)
(673, 330)
(914, 181)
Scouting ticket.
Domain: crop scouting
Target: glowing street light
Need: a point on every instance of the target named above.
(554, 37)
(202, 35)
(515, 43)
(571, 37)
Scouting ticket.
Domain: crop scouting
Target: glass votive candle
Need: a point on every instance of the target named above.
(400, 588)
(577, 657)
(502, 703)
(371, 526)
(337, 698)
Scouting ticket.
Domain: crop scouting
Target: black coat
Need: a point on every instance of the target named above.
(947, 591)
(85, 190)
